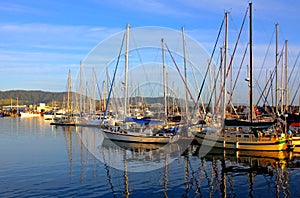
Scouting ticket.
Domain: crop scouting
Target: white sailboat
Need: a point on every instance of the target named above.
(135, 129)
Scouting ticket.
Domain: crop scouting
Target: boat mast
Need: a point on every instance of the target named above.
(217, 105)
(69, 92)
(80, 89)
(104, 87)
(251, 63)
(225, 64)
(185, 74)
(282, 85)
(126, 71)
(286, 77)
(164, 80)
(276, 70)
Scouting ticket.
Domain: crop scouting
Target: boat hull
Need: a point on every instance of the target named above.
(127, 137)
(48, 117)
(296, 143)
(237, 122)
(280, 144)
(29, 115)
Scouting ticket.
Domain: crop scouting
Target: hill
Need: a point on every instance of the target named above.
(30, 97)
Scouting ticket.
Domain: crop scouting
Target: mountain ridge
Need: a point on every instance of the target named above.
(27, 97)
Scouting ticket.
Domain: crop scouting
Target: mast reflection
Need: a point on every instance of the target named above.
(237, 165)
(219, 173)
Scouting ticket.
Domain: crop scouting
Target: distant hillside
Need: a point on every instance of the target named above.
(35, 97)
(30, 97)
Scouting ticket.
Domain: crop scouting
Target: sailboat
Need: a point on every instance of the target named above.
(259, 138)
(66, 119)
(140, 130)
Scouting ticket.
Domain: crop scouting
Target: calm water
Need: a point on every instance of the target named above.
(40, 160)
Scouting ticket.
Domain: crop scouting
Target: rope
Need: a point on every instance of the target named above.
(182, 78)
(210, 60)
(113, 80)
(239, 71)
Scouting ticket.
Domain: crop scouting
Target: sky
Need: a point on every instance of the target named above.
(40, 41)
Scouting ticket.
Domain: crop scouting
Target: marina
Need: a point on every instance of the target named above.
(151, 111)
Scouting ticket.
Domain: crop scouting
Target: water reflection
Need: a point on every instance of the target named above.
(139, 157)
(185, 173)
(41, 160)
(228, 168)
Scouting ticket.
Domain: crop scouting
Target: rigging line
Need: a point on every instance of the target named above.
(273, 72)
(263, 95)
(281, 56)
(214, 88)
(263, 63)
(96, 79)
(140, 57)
(195, 78)
(212, 92)
(223, 89)
(239, 71)
(210, 60)
(182, 78)
(236, 43)
(269, 81)
(113, 80)
(269, 89)
(141, 61)
(293, 85)
(295, 94)
(113, 92)
(292, 71)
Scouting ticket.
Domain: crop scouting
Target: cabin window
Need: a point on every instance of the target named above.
(246, 136)
(239, 136)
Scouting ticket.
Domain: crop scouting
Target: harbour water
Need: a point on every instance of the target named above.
(41, 160)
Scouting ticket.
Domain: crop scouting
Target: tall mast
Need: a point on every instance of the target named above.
(220, 80)
(104, 87)
(282, 84)
(185, 75)
(225, 64)
(251, 63)
(266, 91)
(69, 92)
(80, 89)
(126, 71)
(276, 71)
(164, 80)
(286, 77)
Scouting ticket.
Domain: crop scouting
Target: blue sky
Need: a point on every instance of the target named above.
(41, 40)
